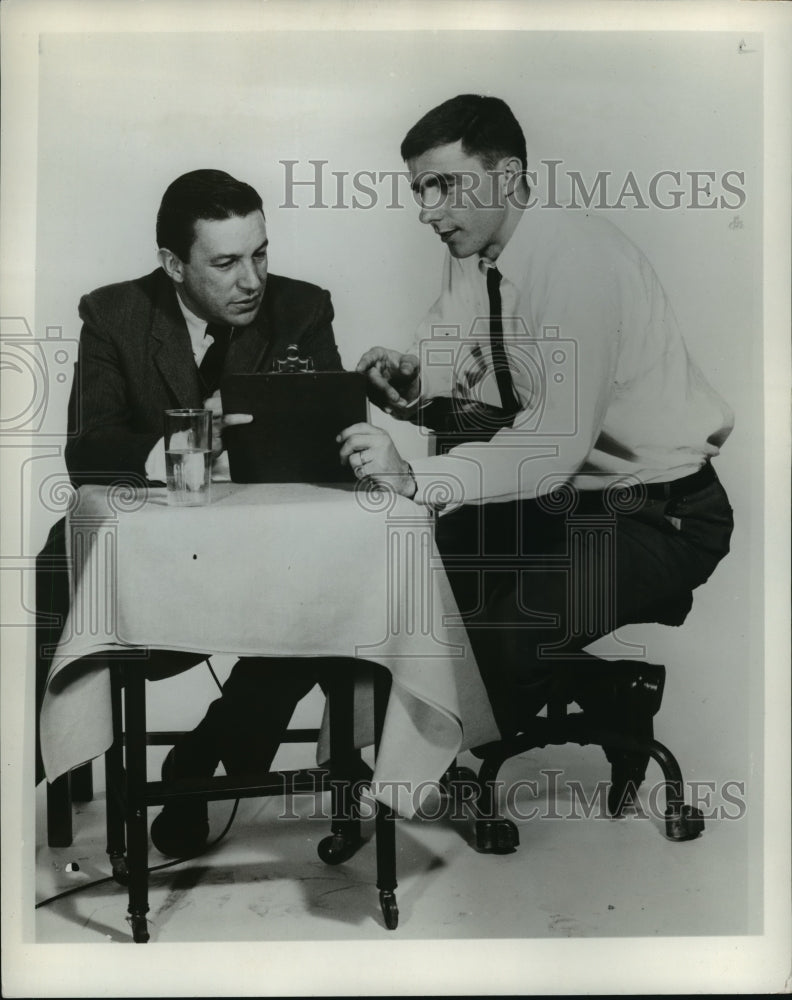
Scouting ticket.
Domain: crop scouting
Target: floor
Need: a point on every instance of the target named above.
(573, 876)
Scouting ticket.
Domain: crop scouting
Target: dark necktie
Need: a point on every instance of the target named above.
(499, 360)
(211, 367)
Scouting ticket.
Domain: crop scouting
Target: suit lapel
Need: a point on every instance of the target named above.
(172, 350)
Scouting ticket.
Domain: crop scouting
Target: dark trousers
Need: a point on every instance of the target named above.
(245, 726)
(538, 580)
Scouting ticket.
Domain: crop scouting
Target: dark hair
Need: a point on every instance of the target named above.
(200, 194)
(485, 125)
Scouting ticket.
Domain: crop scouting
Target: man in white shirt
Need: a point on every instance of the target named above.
(553, 364)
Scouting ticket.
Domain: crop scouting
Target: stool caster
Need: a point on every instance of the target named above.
(390, 909)
(683, 823)
(140, 934)
(496, 836)
(337, 848)
(120, 869)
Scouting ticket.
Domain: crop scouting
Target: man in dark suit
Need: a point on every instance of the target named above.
(163, 341)
(144, 343)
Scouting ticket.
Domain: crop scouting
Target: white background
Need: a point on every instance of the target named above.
(120, 115)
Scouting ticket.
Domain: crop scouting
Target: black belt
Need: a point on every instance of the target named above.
(596, 500)
(678, 487)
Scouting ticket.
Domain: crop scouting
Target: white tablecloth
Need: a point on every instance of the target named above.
(292, 570)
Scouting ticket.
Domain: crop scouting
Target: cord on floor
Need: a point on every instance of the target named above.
(153, 868)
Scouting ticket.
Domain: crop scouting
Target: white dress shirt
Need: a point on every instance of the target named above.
(201, 342)
(606, 386)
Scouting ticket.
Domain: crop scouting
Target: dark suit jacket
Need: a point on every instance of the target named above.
(136, 361)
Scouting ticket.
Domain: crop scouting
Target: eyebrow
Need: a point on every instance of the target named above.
(235, 256)
(422, 180)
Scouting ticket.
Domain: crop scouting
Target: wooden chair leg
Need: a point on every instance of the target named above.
(82, 783)
(59, 812)
(74, 786)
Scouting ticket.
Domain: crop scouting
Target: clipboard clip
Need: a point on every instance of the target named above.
(293, 362)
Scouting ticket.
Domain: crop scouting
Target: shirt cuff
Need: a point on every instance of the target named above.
(445, 482)
(220, 470)
(409, 411)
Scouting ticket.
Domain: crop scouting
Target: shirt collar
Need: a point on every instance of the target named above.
(196, 327)
(511, 261)
(194, 323)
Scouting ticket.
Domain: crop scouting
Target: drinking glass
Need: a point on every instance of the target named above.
(188, 456)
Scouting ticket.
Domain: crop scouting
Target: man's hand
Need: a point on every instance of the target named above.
(220, 421)
(371, 454)
(393, 377)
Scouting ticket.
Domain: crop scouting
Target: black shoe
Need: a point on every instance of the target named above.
(611, 691)
(182, 828)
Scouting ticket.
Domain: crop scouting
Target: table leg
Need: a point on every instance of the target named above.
(114, 785)
(385, 824)
(345, 838)
(136, 814)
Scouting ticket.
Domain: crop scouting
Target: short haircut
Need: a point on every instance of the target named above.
(200, 194)
(485, 125)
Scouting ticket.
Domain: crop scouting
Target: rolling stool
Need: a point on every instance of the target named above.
(496, 835)
(455, 422)
(129, 793)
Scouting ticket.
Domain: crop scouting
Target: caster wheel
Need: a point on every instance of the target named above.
(496, 836)
(390, 909)
(140, 934)
(685, 823)
(336, 849)
(120, 870)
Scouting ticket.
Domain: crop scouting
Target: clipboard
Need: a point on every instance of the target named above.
(296, 418)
